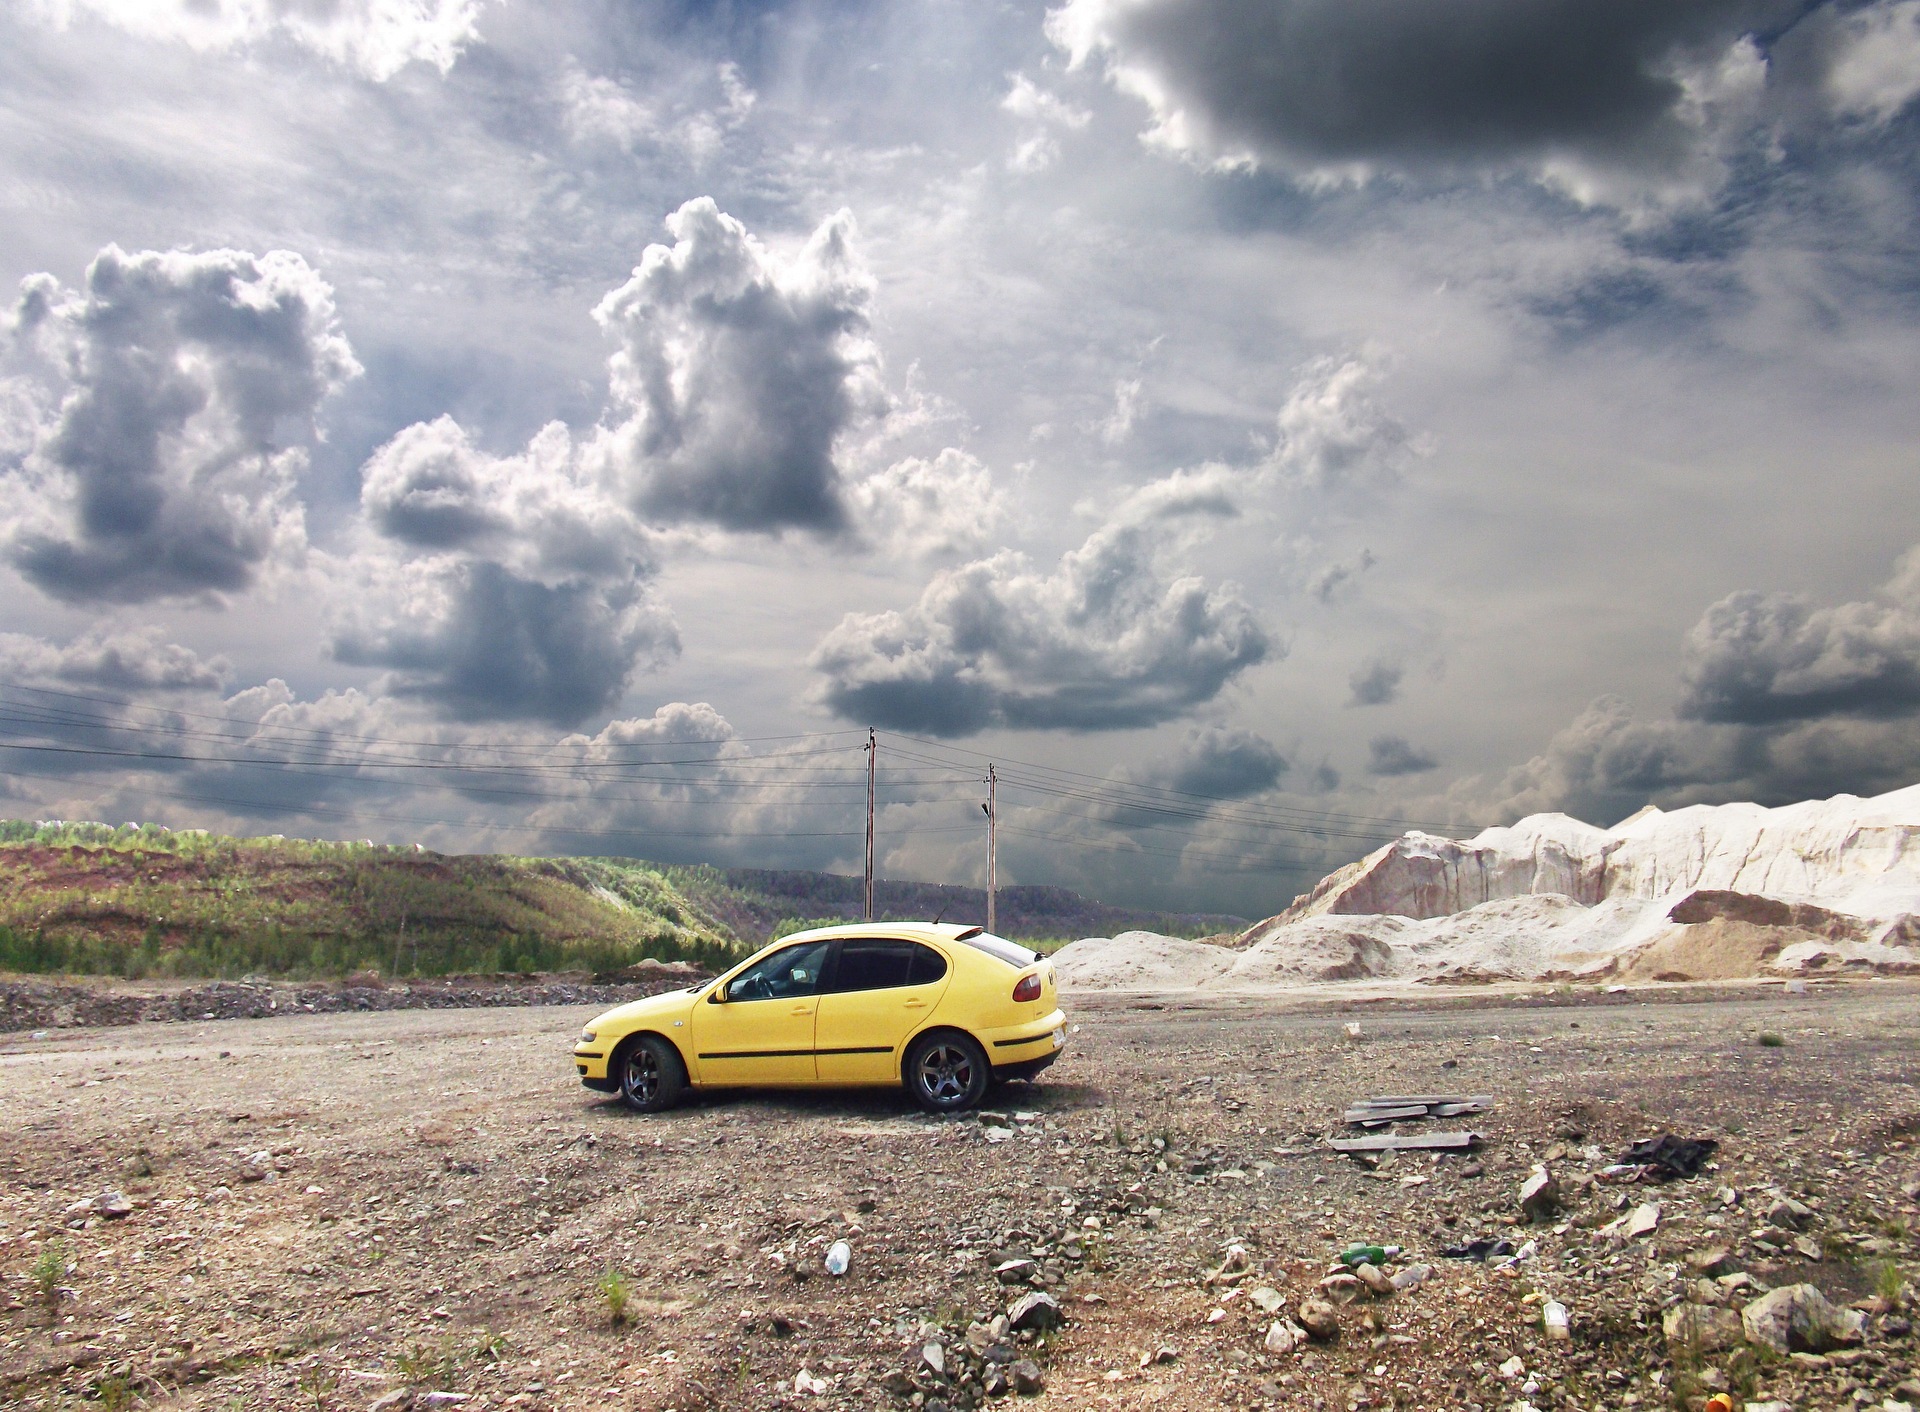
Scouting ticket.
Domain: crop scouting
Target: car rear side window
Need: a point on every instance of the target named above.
(885, 965)
(928, 965)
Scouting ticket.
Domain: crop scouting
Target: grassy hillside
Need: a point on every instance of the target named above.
(87, 898)
(145, 901)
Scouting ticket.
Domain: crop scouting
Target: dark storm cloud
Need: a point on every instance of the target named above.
(1757, 659)
(504, 647)
(738, 373)
(169, 470)
(1220, 762)
(1395, 755)
(1374, 683)
(1107, 641)
(1320, 85)
(1781, 699)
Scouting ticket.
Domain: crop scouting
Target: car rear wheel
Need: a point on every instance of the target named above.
(947, 1072)
(652, 1074)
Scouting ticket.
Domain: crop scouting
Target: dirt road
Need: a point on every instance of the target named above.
(424, 1209)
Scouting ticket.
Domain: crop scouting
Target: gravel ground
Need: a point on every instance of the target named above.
(423, 1208)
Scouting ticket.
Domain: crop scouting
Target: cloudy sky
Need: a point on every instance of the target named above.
(1253, 425)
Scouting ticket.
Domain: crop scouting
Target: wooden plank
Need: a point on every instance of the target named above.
(1457, 1110)
(1395, 1100)
(1394, 1141)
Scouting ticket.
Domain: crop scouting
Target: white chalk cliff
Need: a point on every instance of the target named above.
(1705, 892)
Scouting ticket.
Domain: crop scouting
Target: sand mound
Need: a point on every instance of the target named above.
(1138, 961)
(1703, 893)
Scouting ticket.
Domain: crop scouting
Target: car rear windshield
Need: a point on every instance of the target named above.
(1010, 952)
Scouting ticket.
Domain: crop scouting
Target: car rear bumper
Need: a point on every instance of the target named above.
(1026, 1049)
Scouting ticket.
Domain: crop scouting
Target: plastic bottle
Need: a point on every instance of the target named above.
(839, 1257)
(1558, 1325)
(1368, 1254)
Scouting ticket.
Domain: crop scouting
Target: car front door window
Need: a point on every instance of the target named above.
(783, 975)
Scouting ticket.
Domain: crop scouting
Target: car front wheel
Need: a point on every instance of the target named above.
(947, 1073)
(652, 1075)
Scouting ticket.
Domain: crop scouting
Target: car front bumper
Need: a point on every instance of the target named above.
(591, 1060)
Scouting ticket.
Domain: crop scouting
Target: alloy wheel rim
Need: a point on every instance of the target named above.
(945, 1073)
(643, 1076)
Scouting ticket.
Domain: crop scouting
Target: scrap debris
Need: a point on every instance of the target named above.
(1393, 1108)
(1383, 1110)
(1660, 1159)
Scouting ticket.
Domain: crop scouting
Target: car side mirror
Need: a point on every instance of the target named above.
(719, 996)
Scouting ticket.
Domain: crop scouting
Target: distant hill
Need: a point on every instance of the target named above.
(148, 901)
(757, 904)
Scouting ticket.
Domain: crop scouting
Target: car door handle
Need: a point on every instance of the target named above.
(803, 1009)
(914, 1004)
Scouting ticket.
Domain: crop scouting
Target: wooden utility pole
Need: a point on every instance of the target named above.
(873, 751)
(993, 840)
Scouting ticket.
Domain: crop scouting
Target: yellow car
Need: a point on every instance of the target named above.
(946, 1010)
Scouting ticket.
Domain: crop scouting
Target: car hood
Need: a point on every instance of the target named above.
(672, 1002)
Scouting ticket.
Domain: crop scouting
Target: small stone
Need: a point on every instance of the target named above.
(804, 1381)
(112, 1205)
(1266, 1299)
(1283, 1336)
(899, 1384)
(1807, 1248)
(994, 1383)
(1038, 1310)
(934, 1355)
(1375, 1279)
(1016, 1272)
(1027, 1378)
(1644, 1220)
(1343, 1288)
(1712, 1262)
(1411, 1276)
(1320, 1319)
(1798, 1319)
(396, 1401)
(1513, 1367)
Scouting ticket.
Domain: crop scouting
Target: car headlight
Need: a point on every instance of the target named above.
(586, 1036)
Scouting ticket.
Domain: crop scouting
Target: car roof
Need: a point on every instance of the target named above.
(978, 938)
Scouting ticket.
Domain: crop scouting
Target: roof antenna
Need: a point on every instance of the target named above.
(942, 912)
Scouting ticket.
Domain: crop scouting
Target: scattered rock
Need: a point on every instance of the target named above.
(1411, 1276)
(1701, 1328)
(1320, 1319)
(1343, 1288)
(1284, 1336)
(1540, 1195)
(1027, 1378)
(1038, 1310)
(1798, 1319)
(1375, 1279)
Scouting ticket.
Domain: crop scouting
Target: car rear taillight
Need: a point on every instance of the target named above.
(1028, 989)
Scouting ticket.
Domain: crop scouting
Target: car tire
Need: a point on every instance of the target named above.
(947, 1072)
(652, 1074)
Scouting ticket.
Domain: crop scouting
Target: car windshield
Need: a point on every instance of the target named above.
(1011, 952)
